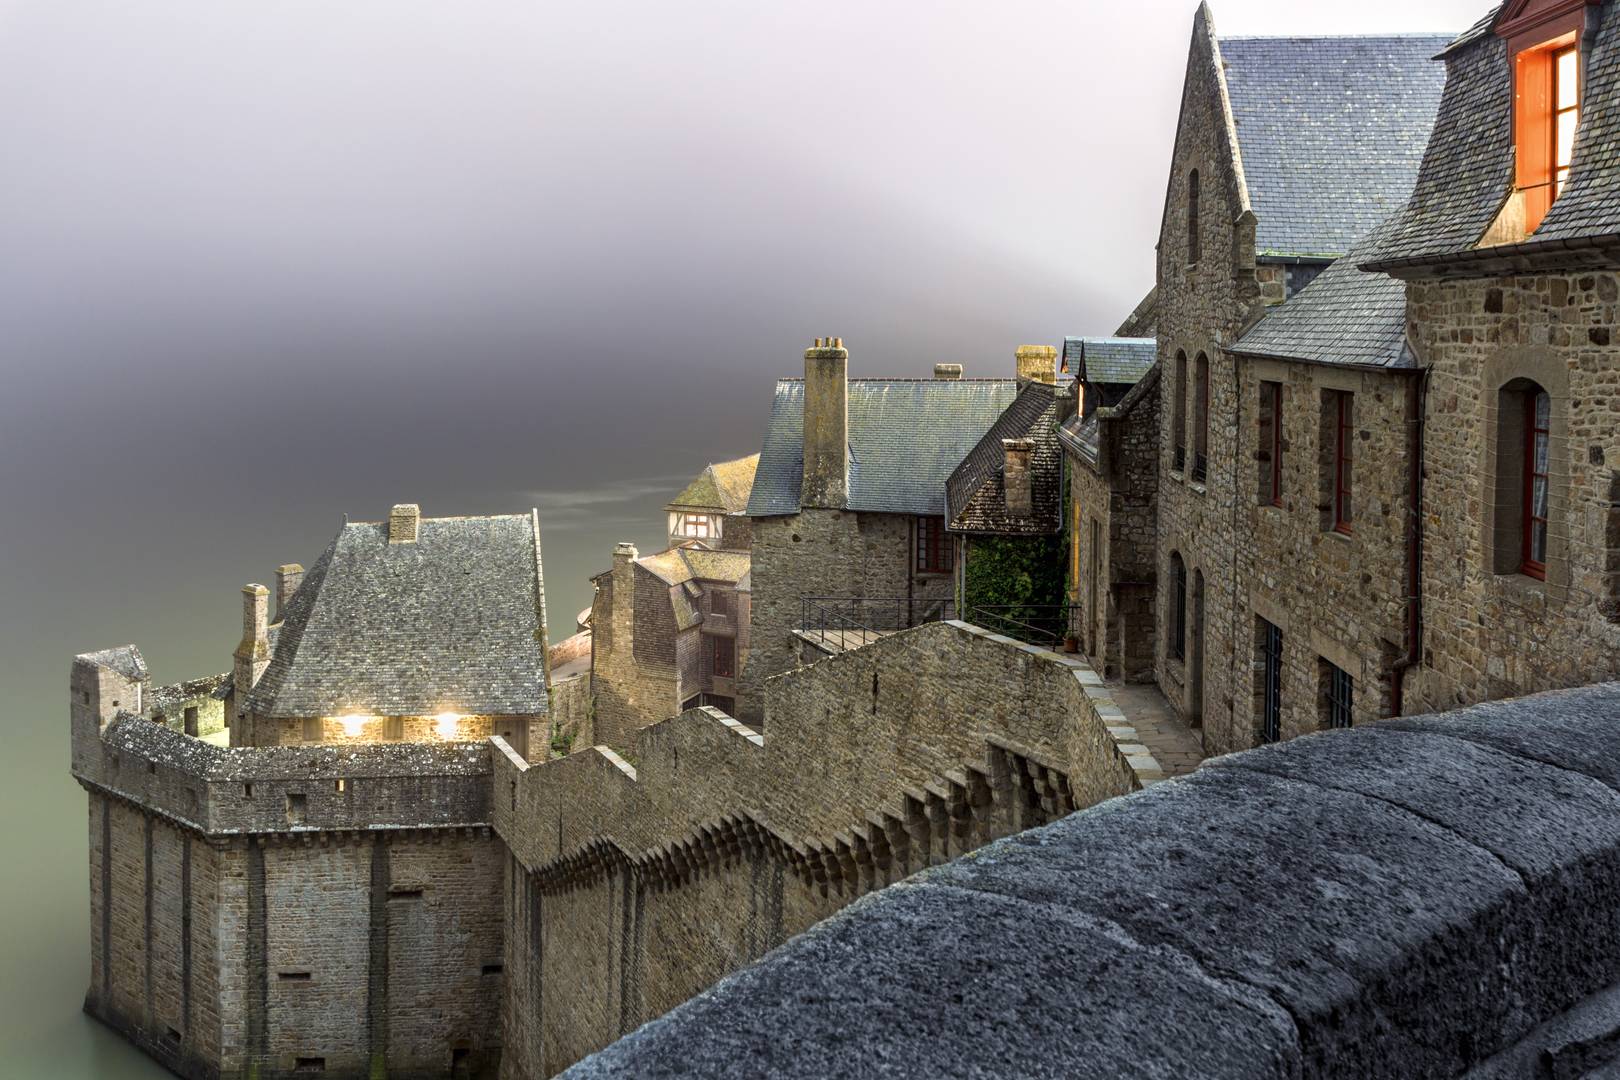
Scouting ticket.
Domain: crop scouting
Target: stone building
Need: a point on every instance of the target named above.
(1004, 507)
(1288, 151)
(1508, 252)
(407, 630)
(848, 506)
(670, 630)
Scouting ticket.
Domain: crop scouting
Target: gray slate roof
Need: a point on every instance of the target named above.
(1117, 360)
(1331, 130)
(1467, 173)
(1346, 316)
(451, 623)
(905, 438)
(975, 495)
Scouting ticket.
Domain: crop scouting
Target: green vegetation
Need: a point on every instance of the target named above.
(1015, 580)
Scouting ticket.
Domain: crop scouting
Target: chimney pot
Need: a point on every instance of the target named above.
(950, 372)
(625, 551)
(288, 577)
(403, 522)
(1038, 363)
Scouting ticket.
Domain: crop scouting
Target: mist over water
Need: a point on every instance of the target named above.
(262, 266)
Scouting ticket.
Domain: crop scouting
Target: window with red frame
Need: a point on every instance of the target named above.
(1537, 434)
(1271, 443)
(1343, 459)
(1543, 39)
(725, 658)
(933, 546)
(1201, 432)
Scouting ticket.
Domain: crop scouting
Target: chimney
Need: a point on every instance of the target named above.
(402, 523)
(253, 654)
(625, 552)
(1037, 363)
(826, 425)
(948, 372)
(1015, 480)
(288, 578)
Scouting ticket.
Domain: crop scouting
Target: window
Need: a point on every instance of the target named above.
(1338, 694)
(1524, 473)
(1193, 245)
(725, 658)
(697, 526)
(394, 729)
(720, 604)
(933, 546)
(1537, 441)
(1338, 444)
(1270, 642)
(312, 729)
(1547, 110)
(1179, 407)
(1074, 546)
(1201, 431)
(1178, 609)
(1271, 443)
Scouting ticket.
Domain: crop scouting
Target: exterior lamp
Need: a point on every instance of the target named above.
(447, 723)
(353, 724)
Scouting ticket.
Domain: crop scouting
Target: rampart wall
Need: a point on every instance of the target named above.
(636, 881)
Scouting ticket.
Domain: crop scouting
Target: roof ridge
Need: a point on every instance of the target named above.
(1406, 34)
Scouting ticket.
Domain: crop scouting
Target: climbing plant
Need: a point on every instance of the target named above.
(1024, 576)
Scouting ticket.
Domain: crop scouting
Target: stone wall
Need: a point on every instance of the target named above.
(1491, 632)
(571, 721)
(652, 879)
(1439, 896)
(264, 911)
(823, 553)
(627, 691)
(1203, 307)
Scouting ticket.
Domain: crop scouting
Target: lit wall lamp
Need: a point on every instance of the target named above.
(447, 723)
(353, 725)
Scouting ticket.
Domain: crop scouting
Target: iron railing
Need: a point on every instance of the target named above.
(1034, 624)
(841, 616)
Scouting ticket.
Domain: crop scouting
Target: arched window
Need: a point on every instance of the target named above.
(1178, 607)
(1179, 412)
(1523, 478)
(1192, 217)
(1201, 420)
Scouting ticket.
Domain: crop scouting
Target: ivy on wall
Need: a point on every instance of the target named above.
(1023, 573)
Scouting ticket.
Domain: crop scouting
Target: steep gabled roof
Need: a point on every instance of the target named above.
(1083, 435)
(724, 487)
(1467, 174)
(975, 499)
(1331, 130)
(905, 438)
(1346, 316)
(677, 566)
(450, 623)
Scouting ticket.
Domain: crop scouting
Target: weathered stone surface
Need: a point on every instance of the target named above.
(863, 994)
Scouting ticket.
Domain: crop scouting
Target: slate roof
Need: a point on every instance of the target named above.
(677, 566)
(1345, 316)
(975, 497)
(905, 438)
(452, 622)
(1467, 173)
(724, 487)
(1083, 435)
(124, 659)
(1331, 131)
(1116, 360)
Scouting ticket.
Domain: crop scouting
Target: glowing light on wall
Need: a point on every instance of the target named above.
(353, 724)
(447, 723)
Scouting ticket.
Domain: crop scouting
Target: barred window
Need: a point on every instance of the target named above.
(1337, 696)
(933, 546)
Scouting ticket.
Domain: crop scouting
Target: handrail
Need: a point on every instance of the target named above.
(874, 615)
(1035, 624)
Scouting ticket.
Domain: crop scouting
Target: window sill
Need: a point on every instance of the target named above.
(1201, 487)
(1521, 590)
(1341, 537)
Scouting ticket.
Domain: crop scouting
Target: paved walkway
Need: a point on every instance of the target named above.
(1177, 747)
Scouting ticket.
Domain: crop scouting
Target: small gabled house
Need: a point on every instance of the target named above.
(409, 630)
(848, 506)
(713, 508)
(1004, 507)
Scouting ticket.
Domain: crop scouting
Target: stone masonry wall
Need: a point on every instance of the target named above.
(627, 693)
(1203, 307)
(1335, 597)
(651, 880)
(269, 911)
(822, 553)
(1488, 633)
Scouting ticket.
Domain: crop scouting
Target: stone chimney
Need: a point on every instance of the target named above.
(402, 523)
(1037, 363)
(288, 577)
(948, 372)
(1015, 479)
(826, 425)
(253, 654)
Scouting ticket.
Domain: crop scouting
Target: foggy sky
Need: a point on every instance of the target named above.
(262, 265)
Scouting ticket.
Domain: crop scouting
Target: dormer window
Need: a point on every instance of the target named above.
(696, 526)
(1544, 40)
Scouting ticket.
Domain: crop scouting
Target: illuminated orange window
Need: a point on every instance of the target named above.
(1544, 39)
